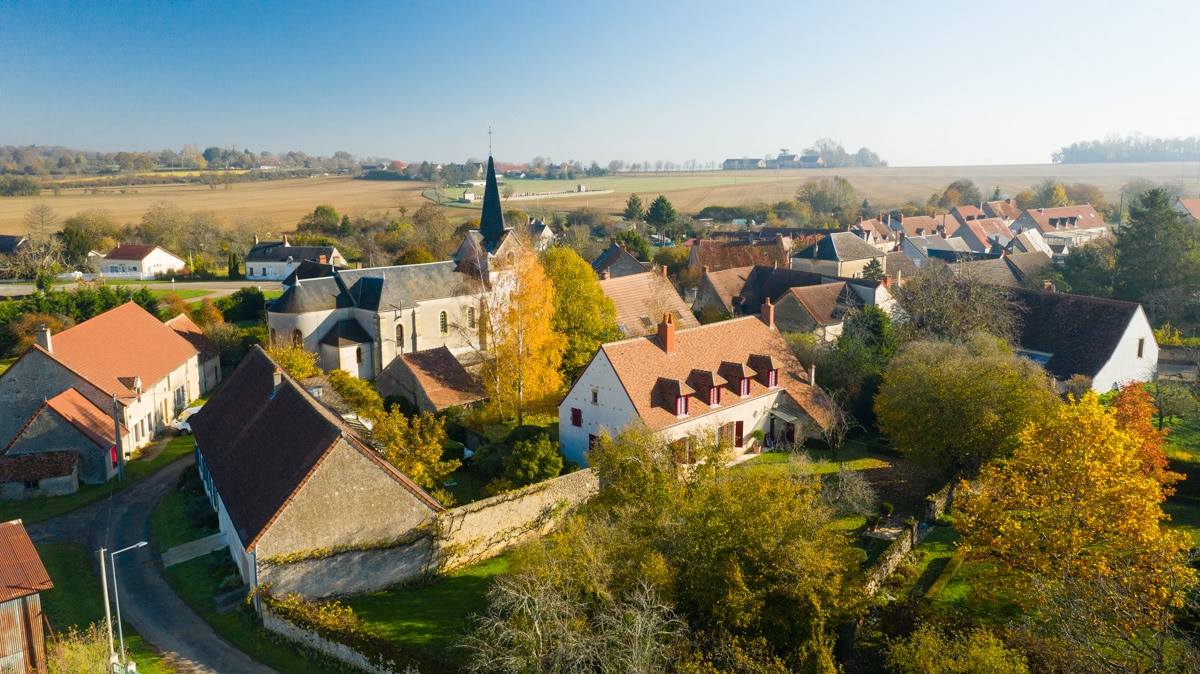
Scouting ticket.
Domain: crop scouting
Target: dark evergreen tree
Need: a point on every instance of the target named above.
(1156, 251)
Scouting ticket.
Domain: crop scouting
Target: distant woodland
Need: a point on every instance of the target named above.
(1129, 149)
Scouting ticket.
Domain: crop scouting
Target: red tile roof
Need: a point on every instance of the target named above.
(136, 252)
(443, 378)
(642, 299)
(1192, 206)
(83, 415)
(718, 255)
(21, 570)
(966, 212)
(185, 328)
(826, 303)
(1065, 218)
(121, 343)
(1002, 209)
(641, 363)
(923, 225)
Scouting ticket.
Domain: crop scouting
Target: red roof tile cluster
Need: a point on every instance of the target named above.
(121, 343)
(726, 255)
(86, 417)
(642, 299)
(1065, 218)
(924, 225)
(827, 303)
(1002, 209)
(185, 328)
(1192, 206)
(21, 570)
(726, 347)
(443, 378)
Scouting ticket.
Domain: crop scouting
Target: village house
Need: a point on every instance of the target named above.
(737, 379)
(275, 260)
(822, 309)
(22, 636)
(876, 232)
(1109, 341)
(743, 290)
(1004, 209)
(144, 387)
(842, 254)
(288, 477)
(965, 213)
(208, 358)
(985, 235)
(541, 236)
(1189, 207)
(616, 261)
(924, 225)
(432, 381)
(920, 249)
(718, 255)
(130, 261)
(640, 299)
(1015, 270)
(1065, 226)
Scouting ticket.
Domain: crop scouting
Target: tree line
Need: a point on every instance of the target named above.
(1129, 149)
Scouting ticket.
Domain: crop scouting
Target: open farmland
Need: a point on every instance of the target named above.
(286, 201)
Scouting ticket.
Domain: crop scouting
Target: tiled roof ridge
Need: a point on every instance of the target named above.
(683, 331)
(1086, 298)
(77, 423)
(127, 396)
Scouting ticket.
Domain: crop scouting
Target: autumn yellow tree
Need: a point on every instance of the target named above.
(1077, 523)
(1133, 410)
(414, 445)
(294, 360)
(521, 350)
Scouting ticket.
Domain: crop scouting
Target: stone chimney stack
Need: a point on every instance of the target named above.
(605, 275)
(663, 269)
(705, 269)
(43, 338)
(768, 313)
(666, 333)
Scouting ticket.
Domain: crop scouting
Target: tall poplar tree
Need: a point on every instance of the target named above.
(581, 311)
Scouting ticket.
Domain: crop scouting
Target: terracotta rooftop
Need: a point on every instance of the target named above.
(90, 420)
(1064, 218)
(1192, 206)
(641, 363)
(1002, 209)
(827, 303)
(717, 255)
(21, 570)
(983, 232)
(642, 299)
(443, 378)
(28, 467)
(132, 251)
(967, 212)
(924, 225)
(185, 328)
(120, 343)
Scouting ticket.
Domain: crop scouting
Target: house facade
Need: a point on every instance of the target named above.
(1109, 341)
(143, 387)
(286, 476)
(616, 262)
(1066, 226)
(822, 309)
(276, 260)
(140, 262)
(735, 379)
(640, 299)
(839, 254)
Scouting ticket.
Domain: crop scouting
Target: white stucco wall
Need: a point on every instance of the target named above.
(146, 416)
(612, 413)
(1124, 365)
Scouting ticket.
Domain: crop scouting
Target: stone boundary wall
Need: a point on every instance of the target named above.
(891, 558)
(319, 643)
(459, 537)
(483, 529)
(939, 502)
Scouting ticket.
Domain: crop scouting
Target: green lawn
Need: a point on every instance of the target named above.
(431, 618)
(854, 457)
(170, 524)
(1183, 450)
(77, 599)
(198, 580)
(44, 508)
(183, 293)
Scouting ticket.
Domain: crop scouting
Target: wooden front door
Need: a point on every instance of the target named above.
(737, 435)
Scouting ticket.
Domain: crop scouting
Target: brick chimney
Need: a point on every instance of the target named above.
(887, 282)
(663, 268)
(43, 338)
(321, 259)
(605, 275)
(666, 333)
(768, 313)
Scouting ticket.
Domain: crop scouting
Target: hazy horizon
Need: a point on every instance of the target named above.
(942, 85)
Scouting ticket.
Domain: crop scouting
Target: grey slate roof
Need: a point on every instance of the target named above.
(9, 244)
(276, 251)
(840, 246)
(346, 333)
(374, 289)
(1081, 333)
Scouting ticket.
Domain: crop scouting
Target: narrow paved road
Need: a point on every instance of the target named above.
(147, 602)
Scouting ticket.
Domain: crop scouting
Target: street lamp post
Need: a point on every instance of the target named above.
(117, 600)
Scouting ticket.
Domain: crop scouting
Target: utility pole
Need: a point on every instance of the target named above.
(112, 654)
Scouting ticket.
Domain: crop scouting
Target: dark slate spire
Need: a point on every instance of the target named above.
(491, 223)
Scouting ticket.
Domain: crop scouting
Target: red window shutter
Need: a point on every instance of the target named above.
(772, 378)
(576, 416)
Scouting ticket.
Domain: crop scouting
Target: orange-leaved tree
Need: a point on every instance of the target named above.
(1133, 409)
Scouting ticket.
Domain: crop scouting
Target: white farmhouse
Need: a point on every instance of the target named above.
(731, 378)
(140, 262)
(1109, 341)
(275, 260)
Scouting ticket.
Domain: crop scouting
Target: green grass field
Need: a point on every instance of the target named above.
(43, 508)
(1183, 450)
(169, 523)
(198, 580)
(77, 600)
(431, 618)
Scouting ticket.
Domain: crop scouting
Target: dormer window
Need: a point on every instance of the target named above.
(681, 406)
(714, 396)
(744, 387)
(772, 378)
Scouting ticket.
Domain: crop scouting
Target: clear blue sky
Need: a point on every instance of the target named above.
(921, 83)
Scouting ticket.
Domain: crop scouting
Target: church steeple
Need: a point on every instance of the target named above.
(491, 222)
